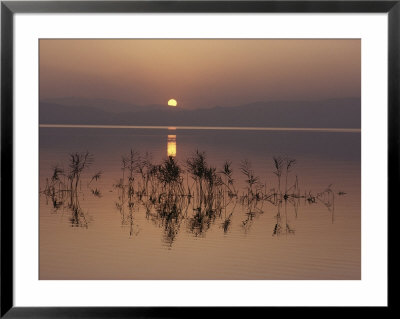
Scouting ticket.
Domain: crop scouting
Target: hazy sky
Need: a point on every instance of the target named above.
(200, 73)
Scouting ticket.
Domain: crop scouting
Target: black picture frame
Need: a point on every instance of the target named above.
(9, 8)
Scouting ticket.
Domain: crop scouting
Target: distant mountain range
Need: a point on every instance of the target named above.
(332, 113)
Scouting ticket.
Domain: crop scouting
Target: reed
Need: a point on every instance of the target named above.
(170, 193)
(64, 187)
(278, 162)
(251, 181)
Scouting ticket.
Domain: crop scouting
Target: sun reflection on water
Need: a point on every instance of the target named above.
(171, 145)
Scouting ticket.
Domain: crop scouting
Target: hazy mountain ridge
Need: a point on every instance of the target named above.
(339, 113)
(102, 104)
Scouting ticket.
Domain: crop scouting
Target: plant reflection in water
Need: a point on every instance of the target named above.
(193, 196)
(65, 188)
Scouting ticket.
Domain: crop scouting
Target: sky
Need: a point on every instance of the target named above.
(200, 73)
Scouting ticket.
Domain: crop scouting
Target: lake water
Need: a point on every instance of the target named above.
(312, 233)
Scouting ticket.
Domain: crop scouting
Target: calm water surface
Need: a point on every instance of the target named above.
(315, 235)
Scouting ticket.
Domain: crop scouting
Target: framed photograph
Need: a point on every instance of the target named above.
(164, 155)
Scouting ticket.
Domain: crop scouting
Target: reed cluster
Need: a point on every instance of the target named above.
(193, 193)
(65, 187)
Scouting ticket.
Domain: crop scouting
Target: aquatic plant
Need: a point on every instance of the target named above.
(227, 173)
(278, 162)
(169, 193)
(63, 188)
(200, 193)
(289, 164)
(251, 179)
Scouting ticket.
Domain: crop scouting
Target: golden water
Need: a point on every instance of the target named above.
(316, 241)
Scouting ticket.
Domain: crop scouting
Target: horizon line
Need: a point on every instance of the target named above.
(231, 128)
(56, 100)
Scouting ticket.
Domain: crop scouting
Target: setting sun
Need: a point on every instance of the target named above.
(172, 102)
